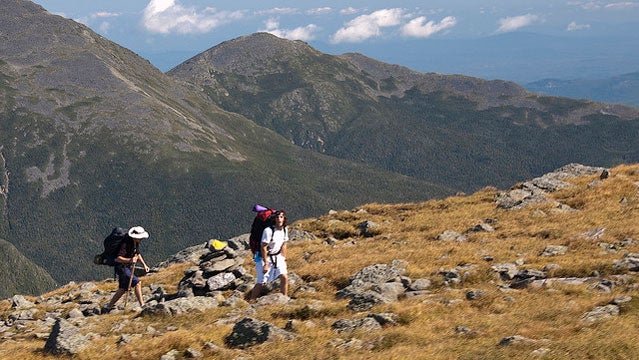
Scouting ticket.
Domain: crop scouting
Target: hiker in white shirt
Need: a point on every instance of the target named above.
(270, 263)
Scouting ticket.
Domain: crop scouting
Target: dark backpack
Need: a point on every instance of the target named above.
(264, 218)
(112, 245)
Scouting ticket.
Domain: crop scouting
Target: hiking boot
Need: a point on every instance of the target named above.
(106, 309)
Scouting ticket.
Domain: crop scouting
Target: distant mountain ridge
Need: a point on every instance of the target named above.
(92, 136)
(452, 129)
(617, 89)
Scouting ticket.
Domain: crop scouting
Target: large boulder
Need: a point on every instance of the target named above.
(249, 332)
(65, 339)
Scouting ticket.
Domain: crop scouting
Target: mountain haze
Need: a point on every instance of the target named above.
(450, 129)
(92, 136)
(617, 89)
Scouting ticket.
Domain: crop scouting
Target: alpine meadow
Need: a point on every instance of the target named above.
(431, 216)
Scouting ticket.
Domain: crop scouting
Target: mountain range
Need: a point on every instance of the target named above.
(449, 129)
(616, 89)
(93, 136)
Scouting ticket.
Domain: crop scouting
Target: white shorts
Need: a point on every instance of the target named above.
(273, 271)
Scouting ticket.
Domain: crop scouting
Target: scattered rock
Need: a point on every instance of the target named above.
(450, 235)
(348, 326)
(65, 339)
(475, 294)
(599, 313)
(554, 250)
(368, 228)
(630, 262)
(520, 340)
(249, 332)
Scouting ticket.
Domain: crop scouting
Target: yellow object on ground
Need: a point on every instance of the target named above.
(217, 245)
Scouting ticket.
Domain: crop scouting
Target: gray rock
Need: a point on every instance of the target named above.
(520, 340)
(390, 291)
(482, 226)
(192, 353)
(217, 267)
(475, 294)
(180, 306)
(368, 228)
(599, 313)
(75, 313)
(385, 319)
(507, 271)
(171, 355)
(525, 277)
(220, 281)
(20, 302)
(450, 235)
(273, 299)
(65, 339)
(365, 301)
(554, 250)
(249, 332)
(594, 234)
(630, 262)
(348, 326)
(420, 284)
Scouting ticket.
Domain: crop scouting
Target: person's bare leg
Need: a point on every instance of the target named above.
(118, 294)
(138, 293)
(284, 284)
(257, 290)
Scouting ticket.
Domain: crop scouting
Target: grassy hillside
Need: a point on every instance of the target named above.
(596, 224)
(19, 275)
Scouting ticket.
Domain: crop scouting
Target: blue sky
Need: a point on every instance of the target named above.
(409, 33)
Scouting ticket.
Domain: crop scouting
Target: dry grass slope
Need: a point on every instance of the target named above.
(550, 316)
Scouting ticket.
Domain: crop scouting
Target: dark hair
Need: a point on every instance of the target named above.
(285, 218)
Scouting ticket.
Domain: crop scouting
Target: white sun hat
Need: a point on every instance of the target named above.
(138, 232)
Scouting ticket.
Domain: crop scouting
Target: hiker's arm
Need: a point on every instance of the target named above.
(283, 251)
(146, 267)
(264, 250)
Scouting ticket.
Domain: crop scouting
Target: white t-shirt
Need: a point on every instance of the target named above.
(274, 239)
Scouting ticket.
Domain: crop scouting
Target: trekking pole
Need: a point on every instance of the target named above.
(128, 290)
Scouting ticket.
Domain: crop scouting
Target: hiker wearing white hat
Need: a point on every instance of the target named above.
(128, 256)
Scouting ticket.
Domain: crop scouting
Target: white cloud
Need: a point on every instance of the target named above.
(105, 14)
(621, 5)
(366, 26)
(97, 17)
(277, 11)
(516, 22)
(167, 16)
(319, 11)
(588, 5)
(349, 11)
(304, 33)
(573, 26)
(418, 27)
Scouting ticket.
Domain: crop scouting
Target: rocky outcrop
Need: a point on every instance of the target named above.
(536, 191)
(65, 339)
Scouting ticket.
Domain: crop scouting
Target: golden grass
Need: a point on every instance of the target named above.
(550, 315)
